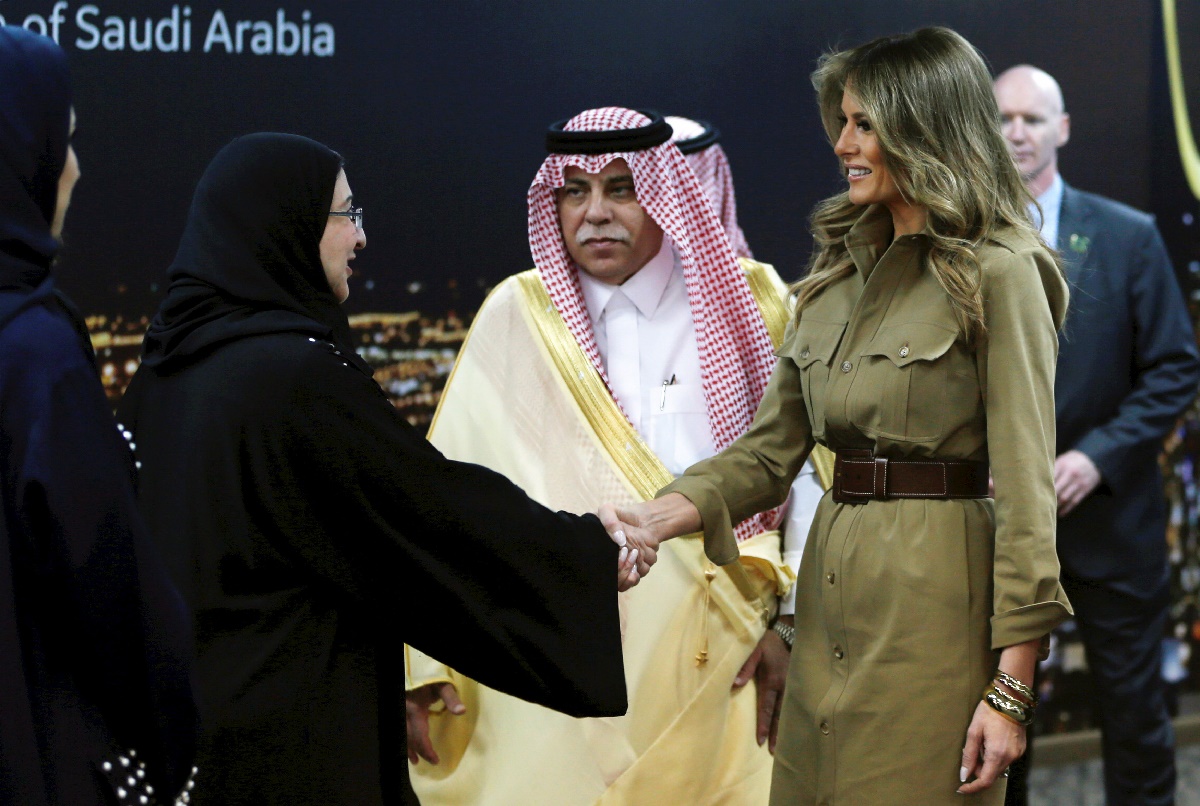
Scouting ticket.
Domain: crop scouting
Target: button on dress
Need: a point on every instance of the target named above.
(903, 604)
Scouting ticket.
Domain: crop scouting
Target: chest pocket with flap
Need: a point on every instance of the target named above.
(812, 348)
(910, 378)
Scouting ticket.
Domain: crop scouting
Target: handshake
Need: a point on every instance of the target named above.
(639, 529)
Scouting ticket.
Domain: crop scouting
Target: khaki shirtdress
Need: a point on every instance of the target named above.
(902, 604)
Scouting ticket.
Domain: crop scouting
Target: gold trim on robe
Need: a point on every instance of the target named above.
(525, 400)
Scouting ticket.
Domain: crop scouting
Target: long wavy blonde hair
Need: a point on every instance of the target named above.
(928, 97)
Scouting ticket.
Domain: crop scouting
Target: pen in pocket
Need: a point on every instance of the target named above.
(662, 403)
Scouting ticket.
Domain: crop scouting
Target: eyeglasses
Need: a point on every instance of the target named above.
(355, 214)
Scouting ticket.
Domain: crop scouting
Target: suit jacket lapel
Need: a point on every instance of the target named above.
(1074, 233)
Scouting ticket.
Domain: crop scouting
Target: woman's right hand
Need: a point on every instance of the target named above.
(625, 527)
(643, 526)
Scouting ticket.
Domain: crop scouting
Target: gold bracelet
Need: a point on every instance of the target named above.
(1017, 686)
(1009, 706)
(1011, 710)
(1004, 695)
(1011, 719)
(1018, 697)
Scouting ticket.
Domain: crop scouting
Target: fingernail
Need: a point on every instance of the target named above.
(620, 537)
(962, 775)
(621, 555)
(633, 555)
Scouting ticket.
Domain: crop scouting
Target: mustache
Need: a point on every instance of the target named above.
(611, 232)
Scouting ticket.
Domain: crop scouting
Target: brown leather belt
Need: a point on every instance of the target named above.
(859, 476)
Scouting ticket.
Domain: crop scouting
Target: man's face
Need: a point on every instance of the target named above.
(1033, 122)
(606, 231)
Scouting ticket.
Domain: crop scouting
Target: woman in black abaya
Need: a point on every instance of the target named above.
(313, 531)
(92, 636)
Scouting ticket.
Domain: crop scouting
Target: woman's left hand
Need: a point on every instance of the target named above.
(993, 742)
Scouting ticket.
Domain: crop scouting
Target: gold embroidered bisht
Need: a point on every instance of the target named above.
(903, 602)
(525, 400)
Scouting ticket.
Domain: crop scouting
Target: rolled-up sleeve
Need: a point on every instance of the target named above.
(1016, 366)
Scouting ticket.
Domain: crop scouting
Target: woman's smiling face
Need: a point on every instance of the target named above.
(863, 163)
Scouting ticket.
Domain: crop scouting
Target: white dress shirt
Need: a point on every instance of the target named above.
(1051, 202)
(655, 376)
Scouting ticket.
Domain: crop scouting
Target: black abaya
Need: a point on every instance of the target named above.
(92, 636)
(315, 532)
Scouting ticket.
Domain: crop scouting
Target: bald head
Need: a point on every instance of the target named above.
(1029, 79)
(1034, 122)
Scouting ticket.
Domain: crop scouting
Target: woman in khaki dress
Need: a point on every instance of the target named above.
(922, 351)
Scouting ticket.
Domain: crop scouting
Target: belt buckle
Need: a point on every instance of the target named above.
(880, 481)
(841, 469)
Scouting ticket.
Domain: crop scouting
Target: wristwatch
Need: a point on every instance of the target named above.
(787, 633)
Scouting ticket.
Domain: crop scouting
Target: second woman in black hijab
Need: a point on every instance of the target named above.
(313, 531)
(92, 636)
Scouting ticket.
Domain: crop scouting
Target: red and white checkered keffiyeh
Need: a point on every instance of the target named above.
(711, 167)
(736, 357)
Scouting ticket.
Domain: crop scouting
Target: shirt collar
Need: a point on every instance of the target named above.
(644, 289)
(871, 235)
(873, 227)
(1051, 204)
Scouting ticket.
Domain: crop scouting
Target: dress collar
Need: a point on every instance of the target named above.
(871, 236)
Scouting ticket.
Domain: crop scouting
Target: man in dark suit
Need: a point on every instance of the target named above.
(1127, 368)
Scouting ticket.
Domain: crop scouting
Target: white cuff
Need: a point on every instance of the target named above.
(802, 508)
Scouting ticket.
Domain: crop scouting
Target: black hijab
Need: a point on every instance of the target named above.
(35, 120)
(249, 262)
